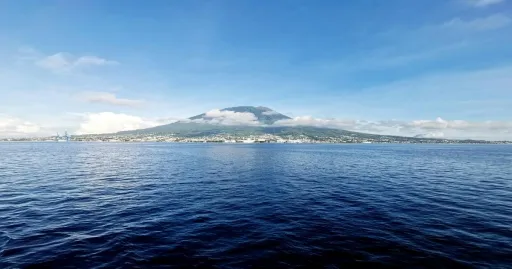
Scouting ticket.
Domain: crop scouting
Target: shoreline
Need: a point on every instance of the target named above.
(265, 143)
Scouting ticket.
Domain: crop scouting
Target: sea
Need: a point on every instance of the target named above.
(165, 205)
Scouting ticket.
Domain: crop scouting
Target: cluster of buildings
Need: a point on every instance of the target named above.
(249, 139)
(266, 138)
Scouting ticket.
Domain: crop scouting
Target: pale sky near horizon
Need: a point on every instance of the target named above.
(438, 68)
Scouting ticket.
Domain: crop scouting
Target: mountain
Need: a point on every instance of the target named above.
(264, 115)
(197, 127)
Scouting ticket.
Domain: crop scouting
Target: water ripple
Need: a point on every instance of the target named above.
(102, 205)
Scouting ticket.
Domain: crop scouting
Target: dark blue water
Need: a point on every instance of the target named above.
(101, 205)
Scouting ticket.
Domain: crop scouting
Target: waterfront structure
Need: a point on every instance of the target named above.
(65, 138)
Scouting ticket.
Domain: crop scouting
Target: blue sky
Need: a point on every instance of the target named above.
(93, 66)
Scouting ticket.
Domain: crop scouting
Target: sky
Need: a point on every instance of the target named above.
(434, 68)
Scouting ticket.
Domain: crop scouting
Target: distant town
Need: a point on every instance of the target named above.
(265, 138)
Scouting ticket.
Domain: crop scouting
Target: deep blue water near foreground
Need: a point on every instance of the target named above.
(107, 205)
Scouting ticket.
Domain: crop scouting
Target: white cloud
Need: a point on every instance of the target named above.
(483, 3)
(430, 124)
(438, 128)
(441, 124)
(491, 22)
(270, 113)
(492, 130)
(62, 61)
(311, 121)
(109, 122)
(227, 117)
(92, 60)
(432, 135)
(14, 127)
(54, 62)
(109, 98)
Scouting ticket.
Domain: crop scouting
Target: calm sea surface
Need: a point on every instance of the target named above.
(107, 205)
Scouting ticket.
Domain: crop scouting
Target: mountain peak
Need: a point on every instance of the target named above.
(264, 115)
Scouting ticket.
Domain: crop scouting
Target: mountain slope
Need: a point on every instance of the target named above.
(190, 129)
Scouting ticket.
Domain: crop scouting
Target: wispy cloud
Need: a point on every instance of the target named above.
(491, 22)
(483, 3)
(431, 95)
(430, 43)
(92, 60)
(64, 61)
(384, 59)
(110, 99)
